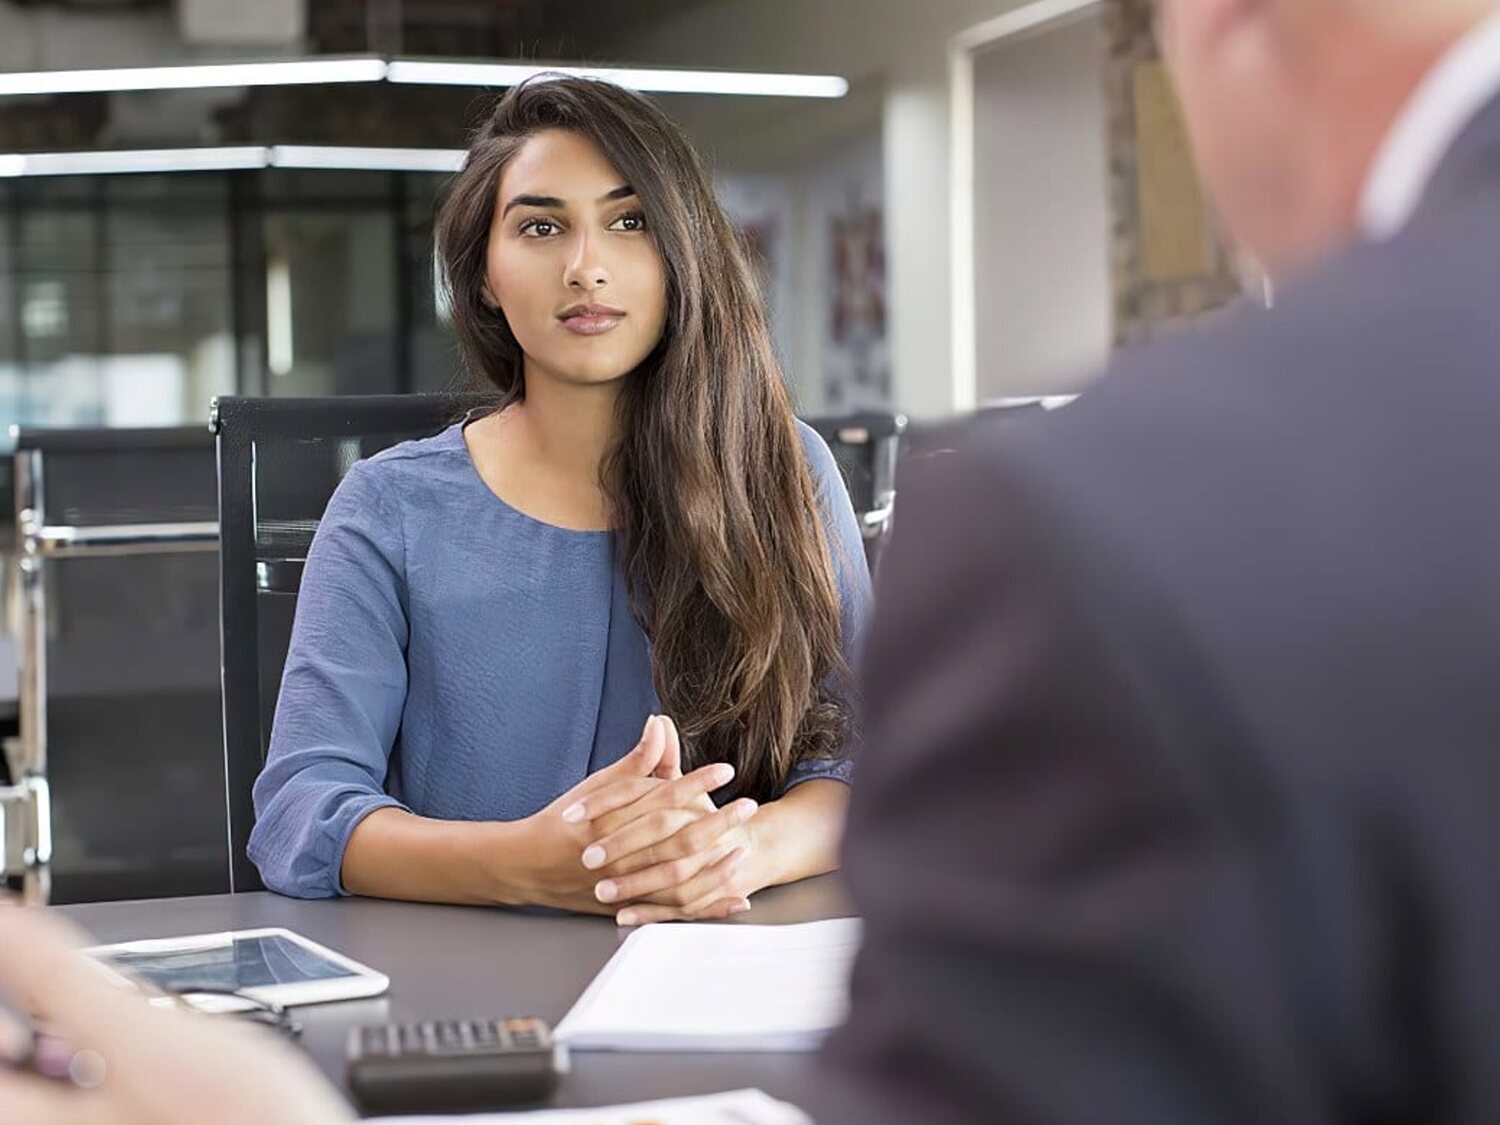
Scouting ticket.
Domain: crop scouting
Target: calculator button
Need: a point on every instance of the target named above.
(483, 1032)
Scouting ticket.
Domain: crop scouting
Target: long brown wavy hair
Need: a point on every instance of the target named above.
(715, 512)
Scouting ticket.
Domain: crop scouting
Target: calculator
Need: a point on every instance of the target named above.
(453, 1065)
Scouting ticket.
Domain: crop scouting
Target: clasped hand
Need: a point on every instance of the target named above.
(646, 842)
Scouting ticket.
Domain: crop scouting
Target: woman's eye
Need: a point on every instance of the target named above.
(541, 228)
(633, 221)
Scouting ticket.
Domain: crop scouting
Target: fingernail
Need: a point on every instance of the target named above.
(645, 730)
(607, 891)
(740, 907)
(593, 857)
(625, 918)
(574, 813)
(744, 809)
(722, 774)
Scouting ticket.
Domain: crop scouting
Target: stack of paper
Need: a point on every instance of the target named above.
(703, 987)
(743, 1107)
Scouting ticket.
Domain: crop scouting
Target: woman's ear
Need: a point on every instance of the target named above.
(488, 298)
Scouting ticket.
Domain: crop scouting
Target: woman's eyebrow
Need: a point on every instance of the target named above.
(624, 191)
(532, 201)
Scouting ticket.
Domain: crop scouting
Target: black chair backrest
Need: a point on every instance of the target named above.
(280, 460)
(866, 447)
(118, 644)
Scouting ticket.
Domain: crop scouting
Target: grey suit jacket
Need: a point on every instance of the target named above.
(1180, 798)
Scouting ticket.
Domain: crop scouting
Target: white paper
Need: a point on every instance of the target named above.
(704, 987)
(743, 1107)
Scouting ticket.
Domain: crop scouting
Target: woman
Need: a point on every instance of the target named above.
(488, 617)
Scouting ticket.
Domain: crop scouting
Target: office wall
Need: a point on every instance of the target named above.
(818, 231)
(1041, 220)
(894, 52)
(59, 38)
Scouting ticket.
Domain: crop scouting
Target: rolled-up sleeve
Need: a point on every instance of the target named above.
(342, 694)
(852, 574)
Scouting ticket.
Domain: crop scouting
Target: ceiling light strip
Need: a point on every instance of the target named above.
(443, 73)
(232, 158)
(139, 160)
(367, 159)
(197, 76)
(427, 72)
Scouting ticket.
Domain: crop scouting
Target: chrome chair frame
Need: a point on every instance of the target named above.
(26, 805)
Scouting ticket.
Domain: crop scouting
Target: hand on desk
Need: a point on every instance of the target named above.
(159, 1066)
(646, 786)
(664, 852)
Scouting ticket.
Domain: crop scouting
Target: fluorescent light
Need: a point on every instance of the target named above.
(437, 73)
(434, 72)
(198, 76)
(231, 158)
(137, 160)
(279, 316)
(372, 159)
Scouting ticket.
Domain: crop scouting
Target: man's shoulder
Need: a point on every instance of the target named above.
(1376, 340)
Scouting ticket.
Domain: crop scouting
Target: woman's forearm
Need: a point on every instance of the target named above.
(798, 836)
(395, 854)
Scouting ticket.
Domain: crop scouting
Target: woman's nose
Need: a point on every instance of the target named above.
(586, 270)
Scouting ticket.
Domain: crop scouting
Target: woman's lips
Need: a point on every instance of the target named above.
(595, 324)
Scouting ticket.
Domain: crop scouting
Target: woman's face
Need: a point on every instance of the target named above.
(571, 264)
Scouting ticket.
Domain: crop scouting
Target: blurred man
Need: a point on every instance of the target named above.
(1181, 794)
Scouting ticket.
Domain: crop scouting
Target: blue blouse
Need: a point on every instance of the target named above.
(458, 659)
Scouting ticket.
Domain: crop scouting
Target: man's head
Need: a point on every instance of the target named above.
(1287, 102)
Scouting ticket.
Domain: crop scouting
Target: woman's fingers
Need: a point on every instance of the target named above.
(670, 766)
(722, 901)
(626, 808)
(660, 835)
(693, 807)
(616, 795)
(660, 877)
(716, 881)
(639, 861)
(638, 765)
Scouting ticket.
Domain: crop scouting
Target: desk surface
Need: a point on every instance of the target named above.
(458, 962)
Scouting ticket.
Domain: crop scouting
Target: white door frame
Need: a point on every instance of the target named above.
(1029, 19)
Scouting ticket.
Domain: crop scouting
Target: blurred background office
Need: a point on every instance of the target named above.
(952, 204)
(1018, 158)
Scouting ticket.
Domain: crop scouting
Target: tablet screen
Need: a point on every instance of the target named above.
(245, 962)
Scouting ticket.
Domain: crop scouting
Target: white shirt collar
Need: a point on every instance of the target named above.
(1447, 101)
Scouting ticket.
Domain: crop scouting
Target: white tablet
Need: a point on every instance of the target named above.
(271, 965)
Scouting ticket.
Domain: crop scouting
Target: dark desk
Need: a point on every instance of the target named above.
(454, 961)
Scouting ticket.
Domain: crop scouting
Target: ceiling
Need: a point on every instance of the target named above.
(537, 29)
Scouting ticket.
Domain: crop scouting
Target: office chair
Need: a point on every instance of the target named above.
(866, 447)
(280, 460)
(117, 773)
